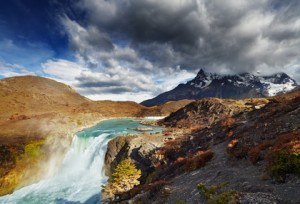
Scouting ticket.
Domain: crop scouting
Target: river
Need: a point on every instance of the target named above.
(81, 175)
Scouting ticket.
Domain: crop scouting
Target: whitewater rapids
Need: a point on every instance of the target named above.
(81, 175)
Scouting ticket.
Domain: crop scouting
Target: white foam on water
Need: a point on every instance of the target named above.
(79, 178)
(154, 117)
(81, 174)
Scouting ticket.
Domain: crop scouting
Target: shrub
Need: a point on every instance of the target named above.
(255, 153)
(33, 149)
(207, 192)
(199, 160)
(214, 194)
(222, 198)
(228, 122)
(284, 163)
(124, 178)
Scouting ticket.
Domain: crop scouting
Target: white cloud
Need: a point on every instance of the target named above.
(137, 97)
(9, 70)
(63, 70)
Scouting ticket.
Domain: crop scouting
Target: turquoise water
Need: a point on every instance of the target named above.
(81, 175)
(116, 127)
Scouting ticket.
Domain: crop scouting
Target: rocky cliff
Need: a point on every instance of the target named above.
(249, 155)
(139, 148)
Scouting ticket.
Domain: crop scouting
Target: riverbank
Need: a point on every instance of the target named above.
(38, 118)
(81, 166)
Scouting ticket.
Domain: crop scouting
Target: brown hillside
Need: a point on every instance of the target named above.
(24, 97)
(35, 95)
(165, 109)
(43, 114)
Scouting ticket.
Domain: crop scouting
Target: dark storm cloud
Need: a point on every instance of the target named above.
(107, 90)
(148, 38)
(91, 37)
(96, 84)
(196, 33)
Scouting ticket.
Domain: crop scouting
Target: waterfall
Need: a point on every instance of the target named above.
(79, 178)
(81, 175)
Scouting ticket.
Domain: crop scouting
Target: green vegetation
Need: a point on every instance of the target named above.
(124, 178)
(285, 163)
(33, 149)
(215, 195)
(222, 198)
(25, 164)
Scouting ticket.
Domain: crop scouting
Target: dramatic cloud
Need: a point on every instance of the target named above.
(112, 67)
(138, 46)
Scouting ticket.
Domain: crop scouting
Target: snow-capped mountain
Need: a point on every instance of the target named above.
(227, 86)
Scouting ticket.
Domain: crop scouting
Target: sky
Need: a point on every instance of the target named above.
(136, 49)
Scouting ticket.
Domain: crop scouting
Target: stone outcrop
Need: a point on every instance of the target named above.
(205, 112)
(139, 148)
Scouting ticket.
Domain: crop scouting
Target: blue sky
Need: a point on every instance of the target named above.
(136, 49)
(30, 34)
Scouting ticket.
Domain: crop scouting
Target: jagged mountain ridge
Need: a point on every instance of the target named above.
(239, 86)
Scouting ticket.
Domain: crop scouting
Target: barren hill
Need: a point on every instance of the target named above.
(41, 115)
(27, 96)
(35, 95)
(34, 106)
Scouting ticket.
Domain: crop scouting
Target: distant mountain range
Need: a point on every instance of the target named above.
(238, 86)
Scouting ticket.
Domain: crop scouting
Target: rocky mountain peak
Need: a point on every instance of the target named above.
(202, 79)
(279, 78)
(237, 86)
(201, 74)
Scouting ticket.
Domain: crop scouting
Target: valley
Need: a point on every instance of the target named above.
(149, 102)
(208, 140)
(38, 120)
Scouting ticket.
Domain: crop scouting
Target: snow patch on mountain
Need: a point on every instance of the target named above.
(243, 85)
(272, 88)
(270, 85)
